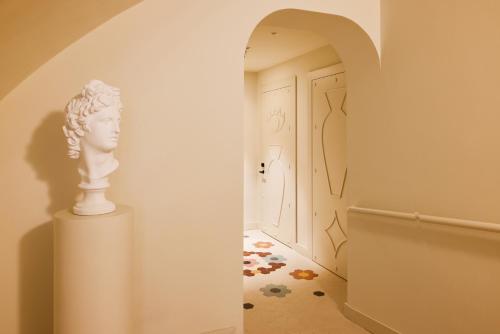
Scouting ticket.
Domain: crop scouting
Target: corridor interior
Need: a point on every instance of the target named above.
(287, 293)
(295, 185)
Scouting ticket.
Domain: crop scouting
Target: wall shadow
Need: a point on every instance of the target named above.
(35, 281)
(46, 154)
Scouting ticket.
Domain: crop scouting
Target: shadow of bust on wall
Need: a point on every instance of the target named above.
(46, 154)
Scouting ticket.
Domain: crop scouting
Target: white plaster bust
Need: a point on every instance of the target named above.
(92, 129)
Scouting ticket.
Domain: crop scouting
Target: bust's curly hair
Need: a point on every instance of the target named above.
(94, 96)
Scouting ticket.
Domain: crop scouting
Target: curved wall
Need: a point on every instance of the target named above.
(32, 32)
(180, 67)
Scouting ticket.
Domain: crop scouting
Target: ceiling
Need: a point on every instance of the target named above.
(270, 45)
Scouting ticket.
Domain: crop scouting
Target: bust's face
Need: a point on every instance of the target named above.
(104, 128)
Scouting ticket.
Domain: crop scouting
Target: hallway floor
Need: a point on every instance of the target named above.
(286, 293)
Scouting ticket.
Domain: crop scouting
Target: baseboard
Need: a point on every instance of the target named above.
(302, 250)
(251, 226)
(366, 321)
(229, 330)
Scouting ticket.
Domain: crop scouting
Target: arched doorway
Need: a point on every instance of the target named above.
(285, 157)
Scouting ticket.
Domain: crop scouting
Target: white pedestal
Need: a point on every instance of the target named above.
(93, 273)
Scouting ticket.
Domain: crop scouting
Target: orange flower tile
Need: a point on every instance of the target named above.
(304, 274)
(263, 244)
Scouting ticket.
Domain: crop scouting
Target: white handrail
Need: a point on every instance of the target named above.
(471, 224)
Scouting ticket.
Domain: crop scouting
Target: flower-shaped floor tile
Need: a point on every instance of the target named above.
(268, 263)
(303, 274)
(272, 290)
(275, 258)
(250, 262)
(263, 244)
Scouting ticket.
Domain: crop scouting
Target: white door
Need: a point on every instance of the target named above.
(277, 101)
(328, 95)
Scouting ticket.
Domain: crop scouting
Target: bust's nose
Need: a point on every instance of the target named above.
(117, 127)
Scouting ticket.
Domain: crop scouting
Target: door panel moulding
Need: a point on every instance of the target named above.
(343, 237)
(328, 177)
(277, 218)
(332, 110)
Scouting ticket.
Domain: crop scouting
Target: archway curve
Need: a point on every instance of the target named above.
(334, 27)
(362, 62)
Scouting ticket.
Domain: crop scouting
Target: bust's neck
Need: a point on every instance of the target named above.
(95, 167)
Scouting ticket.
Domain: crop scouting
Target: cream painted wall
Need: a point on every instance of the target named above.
(431, 147)
(300, 67)
(448, 131)
(422, 137)
(423, 278)
(251, 152)
(181, 73)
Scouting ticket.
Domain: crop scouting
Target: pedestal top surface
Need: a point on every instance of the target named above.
(67, 214)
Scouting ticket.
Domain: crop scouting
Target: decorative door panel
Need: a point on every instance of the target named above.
(328, 95)
(277, 104)
(275, 185)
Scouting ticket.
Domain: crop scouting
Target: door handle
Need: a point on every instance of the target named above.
(262, 165)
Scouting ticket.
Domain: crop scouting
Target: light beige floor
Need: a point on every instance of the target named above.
(291, 306)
